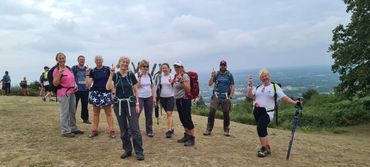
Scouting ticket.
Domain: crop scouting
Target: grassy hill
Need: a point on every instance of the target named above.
(30, 136)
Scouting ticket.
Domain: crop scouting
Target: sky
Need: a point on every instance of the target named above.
(248, 34)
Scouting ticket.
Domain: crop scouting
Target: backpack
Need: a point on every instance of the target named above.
(194, 85)
(51, 79)
(274, 85)
(216, 83)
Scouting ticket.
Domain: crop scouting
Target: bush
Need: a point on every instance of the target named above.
(321, 111)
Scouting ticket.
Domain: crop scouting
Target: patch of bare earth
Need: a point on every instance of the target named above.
(30, 136)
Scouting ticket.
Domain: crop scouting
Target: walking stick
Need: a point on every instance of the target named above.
(295, 124)
(156, 112)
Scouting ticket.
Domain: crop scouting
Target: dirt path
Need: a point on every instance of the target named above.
(30, 136)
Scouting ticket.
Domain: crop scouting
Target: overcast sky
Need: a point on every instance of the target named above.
(247, 34)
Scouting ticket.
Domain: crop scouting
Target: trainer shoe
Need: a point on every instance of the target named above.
(93, 134)
(169, 133)
(207, 133)
(262, 152)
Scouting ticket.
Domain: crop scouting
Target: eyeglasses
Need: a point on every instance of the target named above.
(145, 66)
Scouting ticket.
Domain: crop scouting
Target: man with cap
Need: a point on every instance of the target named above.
(223, 92)
(79, 71)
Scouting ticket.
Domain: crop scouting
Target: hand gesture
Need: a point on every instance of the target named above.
(88, 70)
(170, 79)
(178, 77)
(113, 69)
(213, 74)
(61, 70)
(250, 80)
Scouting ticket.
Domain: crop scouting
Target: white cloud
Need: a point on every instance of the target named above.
(246, 33)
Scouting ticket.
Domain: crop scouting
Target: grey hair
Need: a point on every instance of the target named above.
(121, 59)
(264, 71)
(99, 56)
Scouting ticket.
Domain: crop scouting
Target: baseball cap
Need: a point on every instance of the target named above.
(223, 63)
(178, 63)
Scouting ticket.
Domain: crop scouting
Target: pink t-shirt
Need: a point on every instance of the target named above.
(67, 81)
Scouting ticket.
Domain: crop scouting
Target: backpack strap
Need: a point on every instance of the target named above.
(274, 85)
(151, 78)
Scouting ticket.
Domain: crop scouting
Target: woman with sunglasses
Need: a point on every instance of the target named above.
(147, 95)
(263, 107)
(181, 83)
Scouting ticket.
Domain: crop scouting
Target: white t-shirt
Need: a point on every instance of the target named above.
(167, 90)
(145, 90)
(265, 97)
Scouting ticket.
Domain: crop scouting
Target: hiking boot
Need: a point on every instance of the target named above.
(190, 141)
(86, 122)
(226, 133)
(140, 157)
(268, 150)
(78, 132)
(68, 135)
(125, 155)
(93, 134)
(207, 133)
(183, 139)
(150, 135)
(169, 133)
(262, 152)
(112, 134)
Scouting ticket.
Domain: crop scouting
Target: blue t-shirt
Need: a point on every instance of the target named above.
(223, 81)
(80, 77)
(6, 78)
(100, 78)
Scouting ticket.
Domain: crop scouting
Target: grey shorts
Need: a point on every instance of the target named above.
(223, 104)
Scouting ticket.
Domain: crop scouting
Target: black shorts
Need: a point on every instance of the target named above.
(47, 88)
(168, 103)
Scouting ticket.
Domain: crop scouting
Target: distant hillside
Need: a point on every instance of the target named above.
(294, 81)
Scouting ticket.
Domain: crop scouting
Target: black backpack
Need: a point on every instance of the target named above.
(51, 79)
(275, 100)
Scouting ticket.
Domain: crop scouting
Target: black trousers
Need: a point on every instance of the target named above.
(262, 121)
(184, 110)
(84, 96)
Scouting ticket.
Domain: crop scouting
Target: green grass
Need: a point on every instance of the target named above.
(326, 112)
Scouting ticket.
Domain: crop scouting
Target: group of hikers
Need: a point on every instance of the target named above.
(130, 92)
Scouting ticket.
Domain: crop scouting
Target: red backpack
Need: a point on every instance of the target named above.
(194, 85)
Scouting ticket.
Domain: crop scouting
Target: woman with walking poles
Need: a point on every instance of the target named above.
(264, 106)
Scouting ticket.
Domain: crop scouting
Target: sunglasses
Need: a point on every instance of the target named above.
(145, 66)
(176, 66)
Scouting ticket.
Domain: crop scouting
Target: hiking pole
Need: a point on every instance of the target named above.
(295, 124)
(156, 113)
